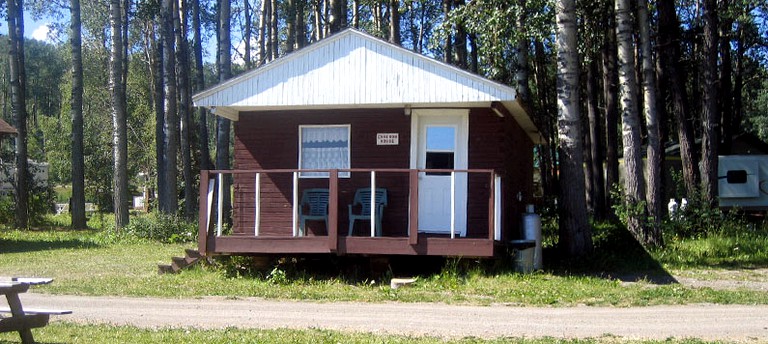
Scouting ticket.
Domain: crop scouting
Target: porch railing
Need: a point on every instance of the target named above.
(212, 186)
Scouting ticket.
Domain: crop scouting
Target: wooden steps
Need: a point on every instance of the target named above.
(191, 257)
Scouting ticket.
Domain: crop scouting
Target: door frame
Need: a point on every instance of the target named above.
(458, 117)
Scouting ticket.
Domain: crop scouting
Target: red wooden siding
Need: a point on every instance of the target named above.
(498, 143)
(269, 140)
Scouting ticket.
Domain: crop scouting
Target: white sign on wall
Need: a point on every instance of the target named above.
(387, 139)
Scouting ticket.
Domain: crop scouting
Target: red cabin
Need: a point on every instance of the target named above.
(353, 145)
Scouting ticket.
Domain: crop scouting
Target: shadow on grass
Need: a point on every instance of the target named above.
(24, 246)
(617, 255)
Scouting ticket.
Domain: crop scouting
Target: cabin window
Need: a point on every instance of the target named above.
(323, 147)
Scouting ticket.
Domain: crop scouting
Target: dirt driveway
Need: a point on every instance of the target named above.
(708, 322)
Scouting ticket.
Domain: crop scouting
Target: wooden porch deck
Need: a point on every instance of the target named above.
(212, 241)
(426, 245)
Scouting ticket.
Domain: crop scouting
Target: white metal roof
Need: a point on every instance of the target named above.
(352, 69)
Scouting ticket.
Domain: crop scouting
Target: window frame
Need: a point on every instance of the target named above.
(300, 148)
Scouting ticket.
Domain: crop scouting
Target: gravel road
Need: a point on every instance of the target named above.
(708, 322)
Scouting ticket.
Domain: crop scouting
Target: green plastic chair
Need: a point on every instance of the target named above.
(363, 198)
(315, 202)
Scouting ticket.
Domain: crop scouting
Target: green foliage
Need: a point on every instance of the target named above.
(741, 247)
(493, 22)
(162, 227)
(699, 218)
(626, 208)
(41, 198)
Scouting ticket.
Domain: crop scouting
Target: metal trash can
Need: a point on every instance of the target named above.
(523, 255)
(532, 231)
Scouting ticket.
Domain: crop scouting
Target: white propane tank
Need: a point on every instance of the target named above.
(532, 231)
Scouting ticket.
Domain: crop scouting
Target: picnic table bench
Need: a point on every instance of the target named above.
(23, 320)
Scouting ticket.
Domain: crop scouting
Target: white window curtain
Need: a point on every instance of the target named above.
(325, 147)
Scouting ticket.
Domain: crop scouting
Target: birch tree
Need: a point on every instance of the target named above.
(119, 116)
(652, 235)
(575, 233)
(634, 184)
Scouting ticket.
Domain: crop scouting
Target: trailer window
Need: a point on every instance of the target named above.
(736, 177)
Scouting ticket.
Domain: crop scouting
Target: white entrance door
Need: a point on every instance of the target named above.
(441, 143)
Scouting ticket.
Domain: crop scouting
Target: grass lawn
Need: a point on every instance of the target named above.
(98, 263)
(61, 332)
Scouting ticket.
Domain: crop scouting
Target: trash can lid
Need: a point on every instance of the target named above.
(522, 244)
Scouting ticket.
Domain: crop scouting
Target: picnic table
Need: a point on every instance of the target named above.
(23, 320)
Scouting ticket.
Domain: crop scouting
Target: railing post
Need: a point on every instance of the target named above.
(295, 203)
(373, 204)
(413, 226)
(333, 211)
(203, 216)
(497, 208)
(491, 207)
(453, 204)
(257, 205)
(219, 214)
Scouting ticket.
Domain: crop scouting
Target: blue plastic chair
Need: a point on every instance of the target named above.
(315, 201)
(363, 198)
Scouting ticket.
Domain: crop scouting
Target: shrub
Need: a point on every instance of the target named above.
(163, 228)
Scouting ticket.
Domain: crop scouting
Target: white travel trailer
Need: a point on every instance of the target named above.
(743, 181)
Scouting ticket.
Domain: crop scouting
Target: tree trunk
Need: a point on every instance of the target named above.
(319, 29)
(738, 78)
(394, 21)
(247, 34)
(634, 188)
(185, 108)
(169, 204)
(356, 14)
(225, 72)
(159, 98)
(709, 96)
(290, 26)
(599, 202)
(575, 233)
(301, 27)
(448, 42)
(521, 58)
(611, 94)
(202, 120)
(119, 117)
(77, 202)
(338, 12)
(263, 33)
(652, 236)
(673, 76)
(728, 125)
(274, 33)
(474, 58)
(460, 41)
(19, 107)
